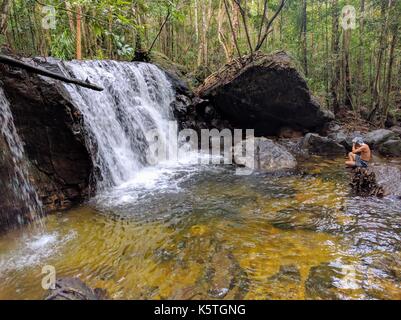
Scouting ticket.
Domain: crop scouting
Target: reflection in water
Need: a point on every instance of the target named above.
(205, 233)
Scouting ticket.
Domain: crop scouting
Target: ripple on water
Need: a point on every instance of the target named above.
(210, 234)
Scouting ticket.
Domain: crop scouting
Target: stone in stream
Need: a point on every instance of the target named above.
(318, 145)
(268, 156)
(266, 94)
(285, 284)
(75, 289)
(391, 148)
(377, 137)
(320, 283)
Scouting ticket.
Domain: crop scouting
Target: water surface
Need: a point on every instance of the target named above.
(193, 232)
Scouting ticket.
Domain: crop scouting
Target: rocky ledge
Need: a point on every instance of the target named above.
(50, 128)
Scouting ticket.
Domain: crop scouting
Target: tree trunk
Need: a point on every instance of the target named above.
(335, 56)
(382, 48)
(78, 37)
(360, 74)
(304, 38)
(4, 9)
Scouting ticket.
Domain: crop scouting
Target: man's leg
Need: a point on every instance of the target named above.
(351, 160)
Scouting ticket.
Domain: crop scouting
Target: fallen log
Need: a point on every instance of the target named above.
(364, 184)
(41, 71)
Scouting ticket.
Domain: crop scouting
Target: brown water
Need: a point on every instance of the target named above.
(207, 233)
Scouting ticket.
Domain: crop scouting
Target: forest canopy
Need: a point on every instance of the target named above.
(348, 50)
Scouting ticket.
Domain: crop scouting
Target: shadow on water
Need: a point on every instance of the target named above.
(206, 233)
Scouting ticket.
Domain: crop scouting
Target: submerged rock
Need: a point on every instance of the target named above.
(75, 289)
(265, 94)
(268, 156)
(320, 283)
(323, 146)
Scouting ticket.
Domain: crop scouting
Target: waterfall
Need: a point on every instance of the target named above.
(136, 100)
(20, 184)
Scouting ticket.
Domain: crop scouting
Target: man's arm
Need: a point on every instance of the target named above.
(358, 150)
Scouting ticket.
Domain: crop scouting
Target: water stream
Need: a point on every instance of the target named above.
(23, 192)
(178, 230)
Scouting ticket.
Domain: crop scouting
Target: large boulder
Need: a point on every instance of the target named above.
(268, 156)
(265, 94)
(391, 148)
(377, 137)
(50, 127)
(324, 146)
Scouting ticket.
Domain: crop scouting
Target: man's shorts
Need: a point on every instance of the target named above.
(360, 163)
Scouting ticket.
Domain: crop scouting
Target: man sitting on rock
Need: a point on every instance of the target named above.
(360, 155)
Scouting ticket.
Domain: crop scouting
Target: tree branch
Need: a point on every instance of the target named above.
(243, 15)
(269, 25)
(232, 30)
(38, 70)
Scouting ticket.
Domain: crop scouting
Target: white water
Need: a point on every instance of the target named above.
(22, 188)
(135, 101)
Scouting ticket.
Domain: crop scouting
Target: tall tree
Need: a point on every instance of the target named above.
(4, 10)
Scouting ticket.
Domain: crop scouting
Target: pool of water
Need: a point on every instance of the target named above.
(195, 232)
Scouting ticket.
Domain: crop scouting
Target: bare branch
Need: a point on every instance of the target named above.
(243, 15)
(269, 25)
(232, 29)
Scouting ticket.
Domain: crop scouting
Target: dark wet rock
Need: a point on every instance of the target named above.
(50, 127)
(266, 94)
(391, 148)
(75, 289)
(320, 283)
(324, 146)
(268, 156)
(290, 133)
(377, 137)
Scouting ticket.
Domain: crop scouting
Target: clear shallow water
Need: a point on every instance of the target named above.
(192, 232)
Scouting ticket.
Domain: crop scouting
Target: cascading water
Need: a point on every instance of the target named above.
(136, 100)
(20, 184)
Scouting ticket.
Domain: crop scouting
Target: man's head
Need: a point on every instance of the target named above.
(358, 141)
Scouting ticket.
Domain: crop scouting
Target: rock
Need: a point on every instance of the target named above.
(50, 128)
(320, 282)
(377, 137)
(75, 289)
(342, 137)
(268, 156)
(290, 133)
(397, 130)
(391, 148)
(266, 94)
(388, 176)
(324, 146)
